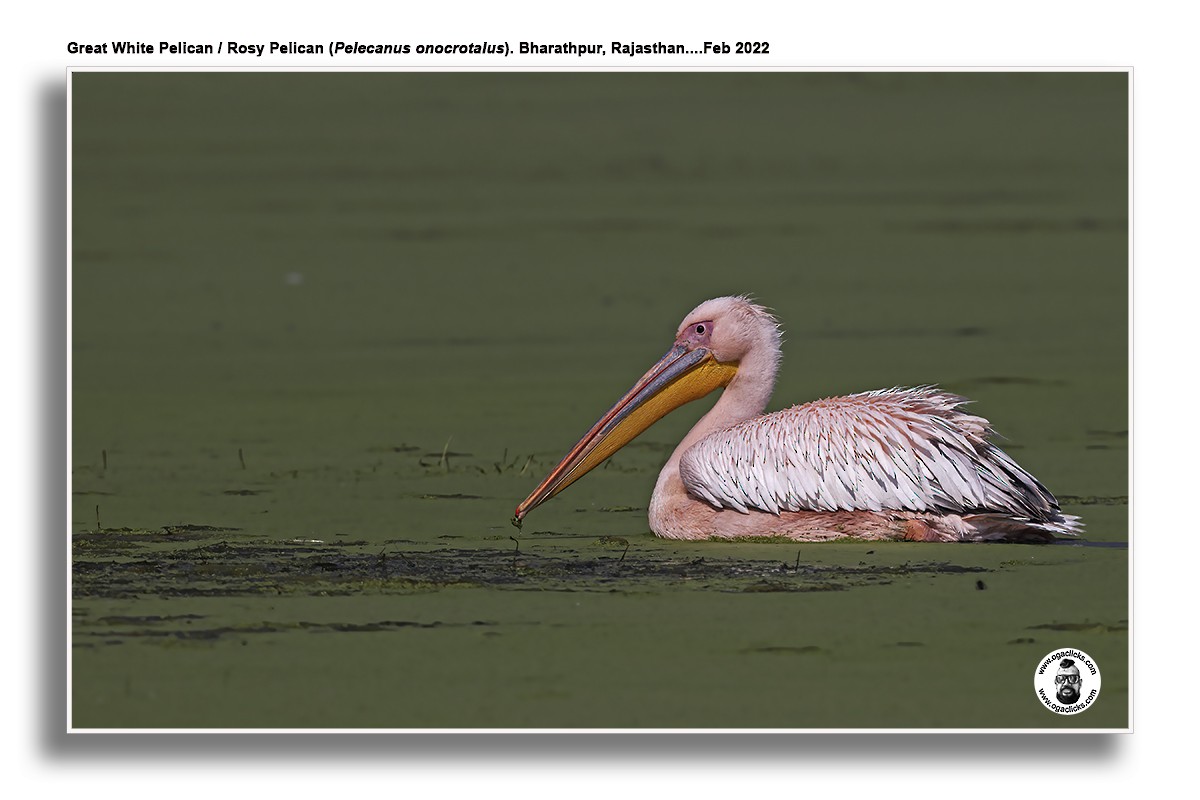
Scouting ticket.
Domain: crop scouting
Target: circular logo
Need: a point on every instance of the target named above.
(1067, 681)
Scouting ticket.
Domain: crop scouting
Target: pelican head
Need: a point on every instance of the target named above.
(735, 330)
(713, 342)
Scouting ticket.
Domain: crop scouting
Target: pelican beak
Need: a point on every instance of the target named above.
(681, 376)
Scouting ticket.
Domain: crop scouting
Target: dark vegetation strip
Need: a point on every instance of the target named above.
(229, 569)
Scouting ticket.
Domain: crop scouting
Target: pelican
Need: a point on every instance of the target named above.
(891, 464)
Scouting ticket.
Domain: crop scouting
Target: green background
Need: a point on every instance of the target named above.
(329, 328)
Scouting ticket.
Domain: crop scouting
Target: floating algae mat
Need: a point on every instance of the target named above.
(328, 329)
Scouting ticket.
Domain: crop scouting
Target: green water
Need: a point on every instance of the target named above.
(328, 330)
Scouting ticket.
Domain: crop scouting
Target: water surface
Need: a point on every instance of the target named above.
(330, 328)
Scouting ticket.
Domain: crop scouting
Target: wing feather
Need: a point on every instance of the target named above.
(894, 449)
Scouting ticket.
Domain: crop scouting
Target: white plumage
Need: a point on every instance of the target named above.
(886, 450)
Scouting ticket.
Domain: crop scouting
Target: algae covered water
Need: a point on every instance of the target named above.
(329, 328)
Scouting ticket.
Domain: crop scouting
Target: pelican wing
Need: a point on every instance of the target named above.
(894, 449)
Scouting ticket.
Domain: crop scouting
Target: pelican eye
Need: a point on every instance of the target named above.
(700, 329)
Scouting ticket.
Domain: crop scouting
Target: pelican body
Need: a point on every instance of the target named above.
(899, 464)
